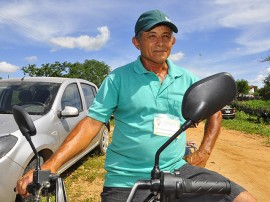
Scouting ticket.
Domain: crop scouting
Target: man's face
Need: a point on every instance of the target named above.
(155, 45)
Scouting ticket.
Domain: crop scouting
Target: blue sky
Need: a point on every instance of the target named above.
(214, 35)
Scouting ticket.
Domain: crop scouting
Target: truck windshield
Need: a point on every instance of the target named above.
(35, 97)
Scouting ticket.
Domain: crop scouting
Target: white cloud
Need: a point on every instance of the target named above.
(249, 20)
(25, 19)
(6, 67)
(250, 45)
(260, 77)
(43, 20)
(258, 81)
(177, 56)
(252, 19)
(246, 14)
(85, 42)
(31, 59)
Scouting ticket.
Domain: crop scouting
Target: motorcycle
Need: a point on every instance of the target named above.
(201, 100)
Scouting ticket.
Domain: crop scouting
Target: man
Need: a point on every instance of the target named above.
(145, 97)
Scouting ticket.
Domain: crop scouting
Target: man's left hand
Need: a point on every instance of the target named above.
(198, 158)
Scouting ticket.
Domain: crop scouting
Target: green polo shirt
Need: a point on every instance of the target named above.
(135, 96)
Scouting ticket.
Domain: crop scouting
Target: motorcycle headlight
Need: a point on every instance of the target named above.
(7, 142)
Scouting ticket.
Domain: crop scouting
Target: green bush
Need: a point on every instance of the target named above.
(248, 124)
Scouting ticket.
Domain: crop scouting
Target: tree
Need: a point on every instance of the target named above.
(265, 91)
(242, 87)
(48, 70)
(91, 70)
(266, 81)
(267, 59)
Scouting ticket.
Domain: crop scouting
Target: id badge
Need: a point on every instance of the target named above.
(166, 125)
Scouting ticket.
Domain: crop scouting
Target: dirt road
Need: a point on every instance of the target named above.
(241, 157)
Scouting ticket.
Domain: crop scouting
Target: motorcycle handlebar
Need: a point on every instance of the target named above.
(173, 186)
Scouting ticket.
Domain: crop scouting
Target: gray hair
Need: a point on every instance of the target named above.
(138, 36)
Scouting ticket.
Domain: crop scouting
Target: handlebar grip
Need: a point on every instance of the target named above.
(173, 185)
(210, 187)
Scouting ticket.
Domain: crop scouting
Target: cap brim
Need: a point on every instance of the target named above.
(169, 24)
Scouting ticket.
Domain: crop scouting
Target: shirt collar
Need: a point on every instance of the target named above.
(138, 67)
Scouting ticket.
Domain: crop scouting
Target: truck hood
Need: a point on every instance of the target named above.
(8, 124)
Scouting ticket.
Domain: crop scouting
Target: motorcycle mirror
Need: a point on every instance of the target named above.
(27, 128)
(201, 100)
(207, 96)
(24, 121)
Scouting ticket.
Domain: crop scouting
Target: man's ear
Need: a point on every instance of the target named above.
(136, 43)
(174, 40)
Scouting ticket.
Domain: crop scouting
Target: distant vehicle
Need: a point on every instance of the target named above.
(55, 105)
(228, 112)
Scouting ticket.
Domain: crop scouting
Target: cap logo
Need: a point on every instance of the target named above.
(167, 19)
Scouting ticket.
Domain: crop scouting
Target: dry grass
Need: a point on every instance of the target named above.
(84, 181)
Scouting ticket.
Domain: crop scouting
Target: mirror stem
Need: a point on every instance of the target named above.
(155, 173)
(28, 138)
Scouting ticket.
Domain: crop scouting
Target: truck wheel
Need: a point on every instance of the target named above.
(104, 141)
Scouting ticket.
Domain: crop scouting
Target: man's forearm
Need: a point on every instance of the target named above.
(211, 132)
(76, 142)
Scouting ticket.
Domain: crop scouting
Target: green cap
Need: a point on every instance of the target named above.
(152, 18)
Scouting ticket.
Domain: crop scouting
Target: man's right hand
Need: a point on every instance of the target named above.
(76, 142)
(21, 186)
